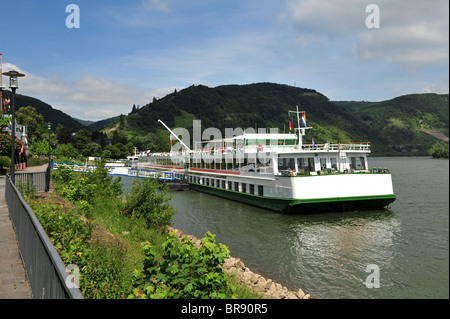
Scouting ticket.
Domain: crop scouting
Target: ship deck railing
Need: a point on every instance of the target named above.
(360, 147)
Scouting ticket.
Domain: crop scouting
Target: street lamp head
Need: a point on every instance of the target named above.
(13, 78)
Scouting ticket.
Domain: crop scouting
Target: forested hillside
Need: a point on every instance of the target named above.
(262, 105)
(400, 126)
(406, 125)
(50, 114)
(410, 123)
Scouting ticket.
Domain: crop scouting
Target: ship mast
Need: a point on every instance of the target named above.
(301, 130)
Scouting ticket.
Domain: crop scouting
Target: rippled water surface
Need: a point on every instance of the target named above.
(327, 254)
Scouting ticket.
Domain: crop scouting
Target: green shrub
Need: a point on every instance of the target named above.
(149, 199)
(5, 161)
(182, 271)
(104, 275)
(36, 161)
(101, 264)
(83, 188)
(68, 233)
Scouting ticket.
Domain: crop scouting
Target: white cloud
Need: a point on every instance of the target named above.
(78, 98)
(161, 5)
(159, 93)
(413, 32)
(88, 98)
(441, 87)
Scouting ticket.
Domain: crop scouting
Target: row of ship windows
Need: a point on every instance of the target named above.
(246, 188)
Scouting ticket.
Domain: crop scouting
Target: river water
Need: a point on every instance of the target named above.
(400, 252)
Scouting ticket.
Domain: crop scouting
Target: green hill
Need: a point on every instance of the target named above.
(405, 125)
(400, 126)
(50, 114)
(262, 105)
(410, 124)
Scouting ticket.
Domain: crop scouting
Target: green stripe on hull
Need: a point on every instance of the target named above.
(285, 205)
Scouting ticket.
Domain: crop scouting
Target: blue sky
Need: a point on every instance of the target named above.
(127, 52)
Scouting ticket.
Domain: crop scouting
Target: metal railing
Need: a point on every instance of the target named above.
(46, 272)
(37, 180)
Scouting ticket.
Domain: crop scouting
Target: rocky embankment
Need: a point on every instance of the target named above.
(235, 266)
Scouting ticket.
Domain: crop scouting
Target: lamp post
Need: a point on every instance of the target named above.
(13, 85)
(47, 179)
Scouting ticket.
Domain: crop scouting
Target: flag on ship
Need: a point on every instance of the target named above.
(304, 119)
(290, 124)
(313, 142)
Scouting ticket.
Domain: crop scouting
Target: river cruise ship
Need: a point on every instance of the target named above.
(280, 173)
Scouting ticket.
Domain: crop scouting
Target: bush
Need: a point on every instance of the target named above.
(36, 161)
(149, 199)
(5, 162)
(85, 187)
(439, 150)
(101, 264)
(182, 271)
(5, 145)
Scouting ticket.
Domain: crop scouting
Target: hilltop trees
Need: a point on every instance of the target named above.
(64, 142)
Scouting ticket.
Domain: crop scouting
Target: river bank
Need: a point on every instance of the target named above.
(236, 267)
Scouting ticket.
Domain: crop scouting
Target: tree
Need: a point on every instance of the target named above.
(121, 121)
(64, 134)
(82, 139)
(113, 151)
(4, 121)
(5, 145)
(66, 150)
(439, 150)
(34, 122)
(39, 147)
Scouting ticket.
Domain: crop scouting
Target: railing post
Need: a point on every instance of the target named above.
(47, 178)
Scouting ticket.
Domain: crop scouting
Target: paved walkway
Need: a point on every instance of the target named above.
(13, 282)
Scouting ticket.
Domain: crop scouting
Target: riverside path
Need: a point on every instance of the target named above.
(13, 280)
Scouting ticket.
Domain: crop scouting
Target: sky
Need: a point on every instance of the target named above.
(97, 60)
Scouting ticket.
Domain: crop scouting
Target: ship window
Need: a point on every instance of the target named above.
(323, 163)
(244, 187)
(285, 164)
(357, 163)
(223, 184)
(311, 166)
(333, 162)
(260, 190)
(207, 182)
(229, 185)
(302, 164)
(252, 189)
(236, 186)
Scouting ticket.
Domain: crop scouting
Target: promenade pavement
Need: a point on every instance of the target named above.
(13, 281)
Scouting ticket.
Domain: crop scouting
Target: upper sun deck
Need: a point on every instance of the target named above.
(269, 143)
(274, 143)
